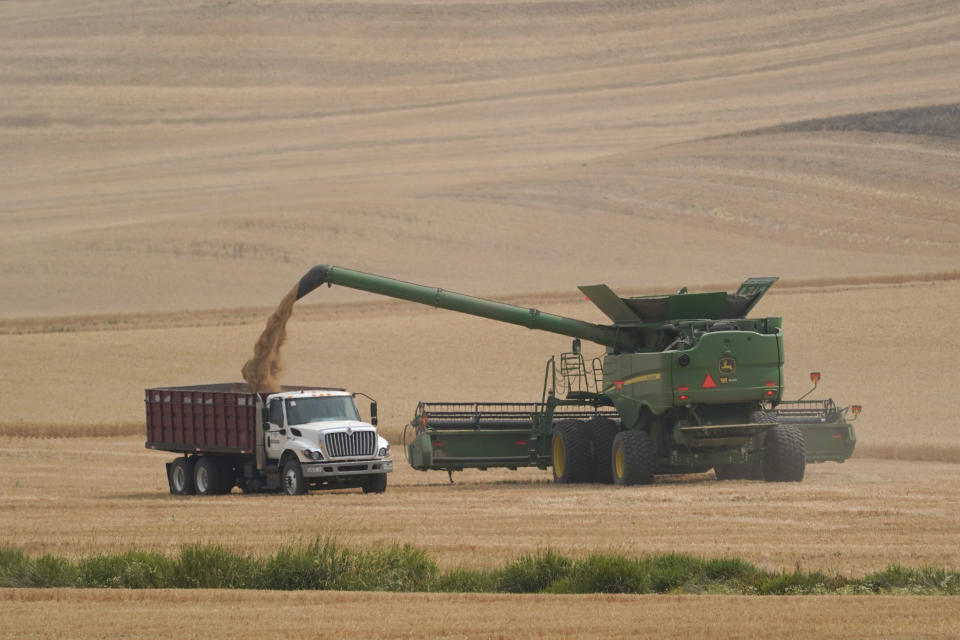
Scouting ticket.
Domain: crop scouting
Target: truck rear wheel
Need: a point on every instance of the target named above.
(785, 457)
(375, 484)
(180, 476)
(207, 476)
(571, 453)
(602, 432)
(291, 477)
(632, 458)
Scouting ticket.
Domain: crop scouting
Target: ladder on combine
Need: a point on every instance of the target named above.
(576, 378)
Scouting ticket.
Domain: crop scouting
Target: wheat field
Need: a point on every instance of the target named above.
(169, 170)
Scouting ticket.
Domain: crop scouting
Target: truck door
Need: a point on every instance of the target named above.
(274, 429)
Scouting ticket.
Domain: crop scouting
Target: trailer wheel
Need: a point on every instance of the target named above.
(602, 432)
(207, 476)
(375, 484)
(571, 452)
(785, 458)
(180, 476)
(292, 477)
(632, 458)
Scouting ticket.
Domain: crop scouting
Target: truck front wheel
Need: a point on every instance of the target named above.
(375, 484)
(180, 476)
(292, 477)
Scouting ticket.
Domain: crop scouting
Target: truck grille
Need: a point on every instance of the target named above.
(346, 445)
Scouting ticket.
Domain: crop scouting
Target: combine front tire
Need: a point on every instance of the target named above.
(571, 453)
(602, 432)
(632, 458)
(784, 458)
(180, 476)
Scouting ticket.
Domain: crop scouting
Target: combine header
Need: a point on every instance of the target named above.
(687, 383)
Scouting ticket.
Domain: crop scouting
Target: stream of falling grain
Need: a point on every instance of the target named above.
(260, 372)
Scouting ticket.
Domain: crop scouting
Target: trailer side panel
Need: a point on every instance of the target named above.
(201, 420)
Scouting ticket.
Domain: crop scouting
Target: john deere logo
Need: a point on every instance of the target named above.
(727, 365)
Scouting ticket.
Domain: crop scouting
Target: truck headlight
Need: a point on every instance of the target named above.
(313, 455)
(384, 451)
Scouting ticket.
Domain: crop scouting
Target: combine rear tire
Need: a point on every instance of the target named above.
(571, 453)
(632, 459)
(180, 477)
(375, 484)
(785, 456)
(602, 432)
(207, 476)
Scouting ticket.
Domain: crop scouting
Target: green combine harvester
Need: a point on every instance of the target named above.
(688, 383)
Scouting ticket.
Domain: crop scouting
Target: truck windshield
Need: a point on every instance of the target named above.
(304, 410)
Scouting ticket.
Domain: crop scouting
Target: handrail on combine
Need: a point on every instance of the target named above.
(550, 373)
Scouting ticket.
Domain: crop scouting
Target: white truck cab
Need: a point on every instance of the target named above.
(316, 437)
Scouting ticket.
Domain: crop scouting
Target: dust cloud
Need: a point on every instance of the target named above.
(260, 371)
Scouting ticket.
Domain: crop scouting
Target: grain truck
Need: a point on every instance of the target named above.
(688, 383)
(293, 439)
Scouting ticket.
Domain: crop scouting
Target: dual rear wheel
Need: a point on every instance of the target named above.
(202, 475)
(597, 451)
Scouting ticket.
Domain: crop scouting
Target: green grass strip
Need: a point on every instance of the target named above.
(328, 565)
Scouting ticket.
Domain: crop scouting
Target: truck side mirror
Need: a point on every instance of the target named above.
(373, 413)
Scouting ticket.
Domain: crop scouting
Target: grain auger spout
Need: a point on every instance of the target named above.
(620, 339)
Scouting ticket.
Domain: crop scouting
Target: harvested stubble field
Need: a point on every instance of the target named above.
(852, 518)
(168, 172)
(199, 614)
(204, 614)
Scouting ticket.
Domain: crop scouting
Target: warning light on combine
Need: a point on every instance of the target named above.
(814, 377)
(856, 409)
(708, 382)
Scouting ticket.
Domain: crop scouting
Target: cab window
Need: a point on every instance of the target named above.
(276, 413)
